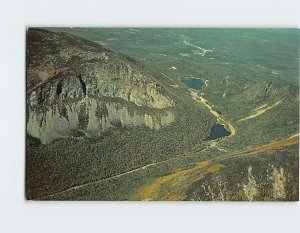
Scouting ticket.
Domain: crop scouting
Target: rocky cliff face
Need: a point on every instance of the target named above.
(74, 85)
(270, 90)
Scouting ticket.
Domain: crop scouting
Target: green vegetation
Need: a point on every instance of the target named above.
(252, 82)
(116, 151)
(260, 54)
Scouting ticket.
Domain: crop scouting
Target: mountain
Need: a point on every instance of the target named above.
(93, 113)
(185, 124)
(77, 86)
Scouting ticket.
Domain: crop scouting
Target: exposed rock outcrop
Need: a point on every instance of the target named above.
(265, 90)
(89, 116)
(77, 85)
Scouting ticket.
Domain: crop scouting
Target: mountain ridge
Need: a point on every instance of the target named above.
(66, 74)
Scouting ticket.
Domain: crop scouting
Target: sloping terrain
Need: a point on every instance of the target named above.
(98, 113)
(104, 126)
(74, 84)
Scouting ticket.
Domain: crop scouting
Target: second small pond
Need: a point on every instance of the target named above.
(218, 131)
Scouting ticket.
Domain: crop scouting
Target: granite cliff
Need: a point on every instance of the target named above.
(77, 87)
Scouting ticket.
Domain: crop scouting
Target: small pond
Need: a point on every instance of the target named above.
(218, 131)
(194, 83)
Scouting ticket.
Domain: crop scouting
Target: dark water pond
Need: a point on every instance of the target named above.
(194, 83)
(218, 131)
